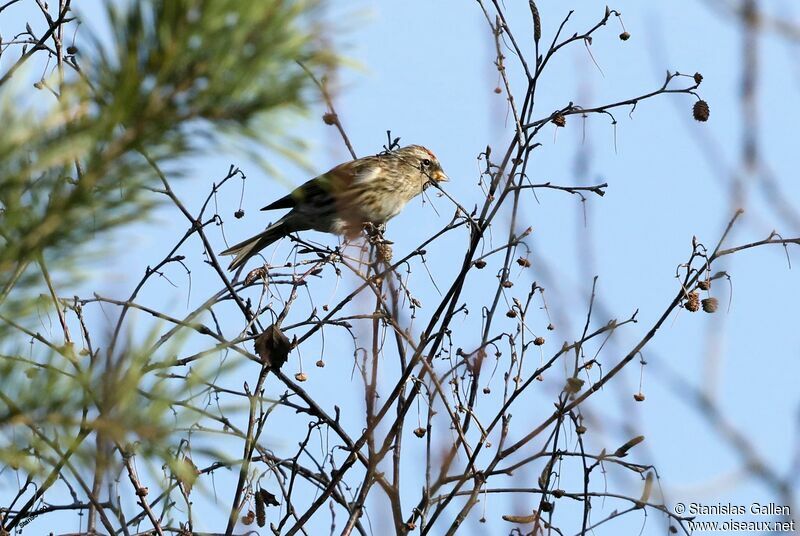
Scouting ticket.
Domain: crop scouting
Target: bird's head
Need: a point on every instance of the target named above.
(424, 160)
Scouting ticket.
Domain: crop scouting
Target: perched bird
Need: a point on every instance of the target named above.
(369, 190)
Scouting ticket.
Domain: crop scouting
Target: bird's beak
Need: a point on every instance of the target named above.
(440, 176)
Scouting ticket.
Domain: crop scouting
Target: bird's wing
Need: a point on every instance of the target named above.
(313, 189)
(365, 174)
(336, 182)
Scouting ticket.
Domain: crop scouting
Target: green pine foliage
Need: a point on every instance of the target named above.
(80, 154)
(175, 72)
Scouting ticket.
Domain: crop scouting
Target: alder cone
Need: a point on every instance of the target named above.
(701, 111)
(261, 514)
(710, 305)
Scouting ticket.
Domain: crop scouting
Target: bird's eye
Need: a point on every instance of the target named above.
(426, 163)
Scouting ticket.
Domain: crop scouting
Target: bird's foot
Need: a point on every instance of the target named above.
(374, 229)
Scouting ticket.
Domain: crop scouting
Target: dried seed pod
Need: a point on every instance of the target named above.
(521, 520)
(538, 341)
(486, 390)
(704, 285)
(498, 90)
(511, 313)
(330, 118)
(710, 305)
(581, 429)
(419, 432)
(537, 21)
(72, 50)
(625, 36)
(558, 493)
(507, 284)
(261, 515)
(239, 214)
(692, 302)
(547, 506)
(384, 250)
(623, 450)
(480, 264)
(320, 363)
(550, 327)
(525, 263)
(559, 120)
(639, 397)
(300, 376)
(700, 111)
(249, 518)
(698, 78)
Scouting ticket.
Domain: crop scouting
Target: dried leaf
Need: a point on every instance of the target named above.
(273, 347)
(257, 273)
(648, 488)
(574, 385)
(544, 477)
(186, 473)
(268, 498)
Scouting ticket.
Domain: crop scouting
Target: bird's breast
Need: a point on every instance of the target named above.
(375, 198)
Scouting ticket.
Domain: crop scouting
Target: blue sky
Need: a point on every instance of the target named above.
(424, 70)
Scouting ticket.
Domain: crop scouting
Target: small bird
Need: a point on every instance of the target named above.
(369, 190)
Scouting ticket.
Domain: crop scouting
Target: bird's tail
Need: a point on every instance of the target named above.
(246, 249)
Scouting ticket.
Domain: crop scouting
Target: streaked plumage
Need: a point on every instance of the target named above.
(373, 189)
